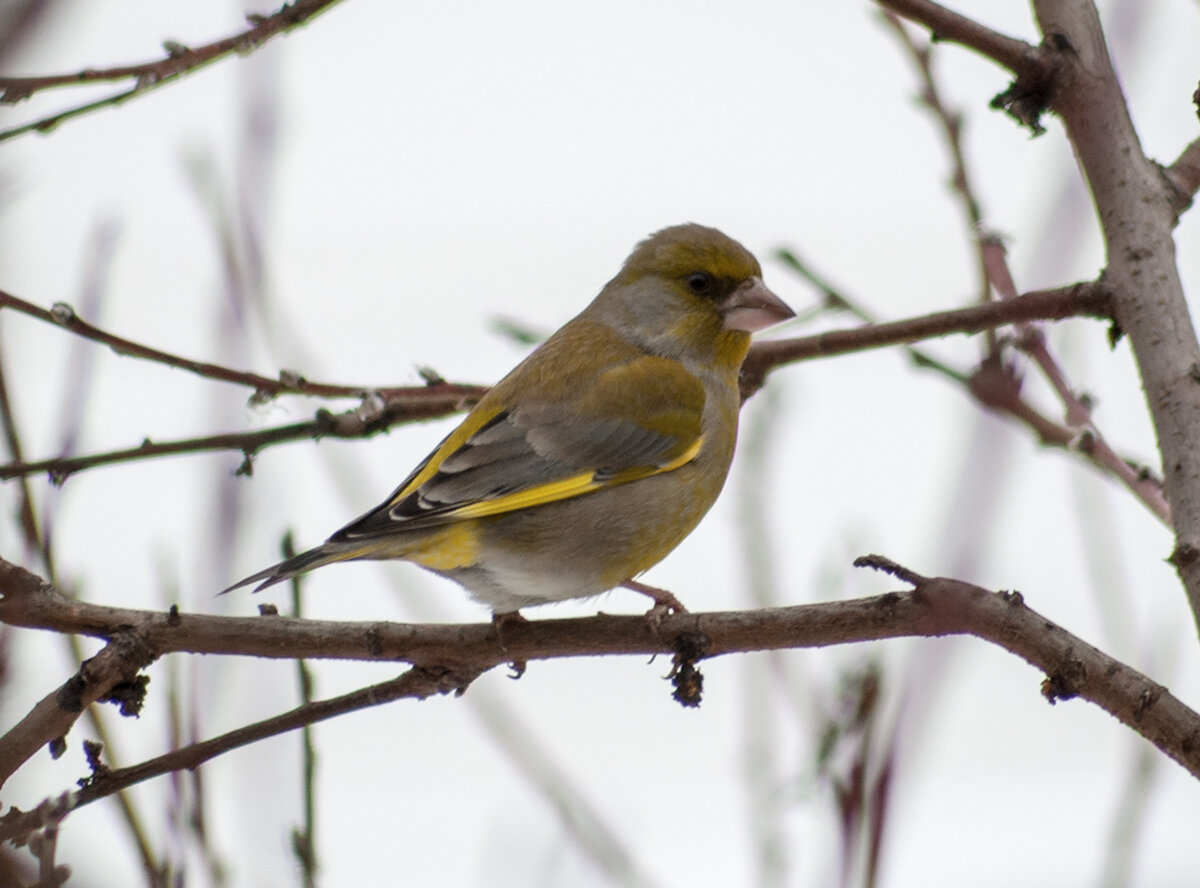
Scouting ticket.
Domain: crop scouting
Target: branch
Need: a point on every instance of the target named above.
(376, 414)
(385, 407)
(1083, 434)
(1138, 217)
(1183, 175)
(1019, 57)
(265, 388)
(1079, 300)
(936, 607)
(416, 684)
(148, 76)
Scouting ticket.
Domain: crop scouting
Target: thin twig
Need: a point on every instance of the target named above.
(1079, 300)
(304, 837)
(833, 299)
(1022, 58)
(385, 407)
(416, 683)
(357, 423)
(951, 124)
(148, 76)
(289, 382)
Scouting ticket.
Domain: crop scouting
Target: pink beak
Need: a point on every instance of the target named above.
(752, 307)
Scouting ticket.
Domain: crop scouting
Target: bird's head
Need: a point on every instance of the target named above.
(691, 291)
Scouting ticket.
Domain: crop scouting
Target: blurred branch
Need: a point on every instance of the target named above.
(30, 530)
(951, 124)
(448, 657)
(996, 384)
(304, 837)
(148, 76)
(833, 299)
(1085, 435)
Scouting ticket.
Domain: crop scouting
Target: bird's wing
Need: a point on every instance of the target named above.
(637, 419)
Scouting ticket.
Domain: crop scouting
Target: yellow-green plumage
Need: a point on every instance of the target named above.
(596, 455)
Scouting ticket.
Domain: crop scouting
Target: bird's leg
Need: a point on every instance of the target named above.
(499, 621)
(664, 603)
(661, 597)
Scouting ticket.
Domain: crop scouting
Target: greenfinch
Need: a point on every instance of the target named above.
(598, 453)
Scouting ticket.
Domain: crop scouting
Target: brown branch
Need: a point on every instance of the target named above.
(1080, 300)
(1137, 217)
(416, 683)
(1183, 175)
(50, 720)
(30, 529)
(382, 408)
(936, 607)
(951, 125)
(289, 382)
(997, 386)
(376, 415)
(148, 76)
(995, 383)
(1023, 59)
(1083, 434)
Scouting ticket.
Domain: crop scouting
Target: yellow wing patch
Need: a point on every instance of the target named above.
(480, 417)
(577, 485)
(585, 482)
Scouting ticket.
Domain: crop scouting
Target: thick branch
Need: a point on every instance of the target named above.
(936, 607)
(1137, 214)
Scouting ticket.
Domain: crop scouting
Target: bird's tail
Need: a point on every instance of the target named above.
(324, 554)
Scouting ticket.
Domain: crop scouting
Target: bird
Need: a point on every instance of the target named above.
(597, 454)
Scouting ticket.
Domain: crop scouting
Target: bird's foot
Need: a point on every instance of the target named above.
(499, 622)
(665, 604)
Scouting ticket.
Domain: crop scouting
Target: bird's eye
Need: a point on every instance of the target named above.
(700, 281)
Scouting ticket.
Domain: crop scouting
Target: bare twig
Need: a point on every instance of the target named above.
(148, 76)
(951, 124)
(304, 837)
(384, 407)
(412, 405)
(415, 683)
(1184, 175)
(1079, 300)
(1085, 436)
(289, 382)
(834, 299)
(1023, 59)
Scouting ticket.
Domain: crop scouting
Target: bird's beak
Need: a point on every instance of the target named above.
(752, 307)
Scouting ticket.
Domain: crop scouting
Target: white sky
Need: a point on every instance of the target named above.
(438, 165)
